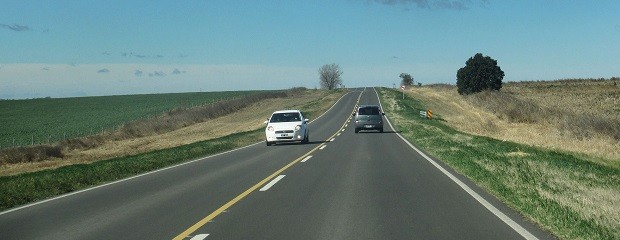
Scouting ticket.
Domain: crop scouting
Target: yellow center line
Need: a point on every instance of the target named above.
(223, 208)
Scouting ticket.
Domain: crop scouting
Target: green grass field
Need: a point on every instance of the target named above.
(43, 120)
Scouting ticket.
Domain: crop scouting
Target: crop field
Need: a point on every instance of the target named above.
(40, 121)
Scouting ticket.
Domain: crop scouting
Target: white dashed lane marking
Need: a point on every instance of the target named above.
(306, 159)
(200, 237)
(273, 182)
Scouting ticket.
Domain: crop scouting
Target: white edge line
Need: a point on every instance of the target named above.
(147, 173)
(122, 180)
(514, 225)
(273, 182)
(306, 159)
(200, 237)
(322, 147)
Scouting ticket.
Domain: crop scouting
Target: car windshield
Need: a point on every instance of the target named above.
(285, 117)
(369, 111)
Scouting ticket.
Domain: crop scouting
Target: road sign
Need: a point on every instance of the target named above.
(429, 114)
(402, 87)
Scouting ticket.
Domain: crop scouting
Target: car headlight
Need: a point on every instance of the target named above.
(297, 127)
(270, 128)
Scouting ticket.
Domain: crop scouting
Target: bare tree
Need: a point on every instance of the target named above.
(329, 75)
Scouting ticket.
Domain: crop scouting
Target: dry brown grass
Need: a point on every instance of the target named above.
(246, 119)
(575, 116)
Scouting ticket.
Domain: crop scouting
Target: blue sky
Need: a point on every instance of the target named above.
(92, 48)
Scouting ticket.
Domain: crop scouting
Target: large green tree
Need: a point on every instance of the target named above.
(480, 73)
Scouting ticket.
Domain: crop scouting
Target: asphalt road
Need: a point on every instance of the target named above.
(341, 185)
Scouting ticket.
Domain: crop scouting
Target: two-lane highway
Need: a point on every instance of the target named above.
(340, 186)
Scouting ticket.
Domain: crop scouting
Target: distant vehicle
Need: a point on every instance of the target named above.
(286, 126)
(368, 117)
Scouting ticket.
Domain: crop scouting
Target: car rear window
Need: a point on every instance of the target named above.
(285, 117)
(368, 111)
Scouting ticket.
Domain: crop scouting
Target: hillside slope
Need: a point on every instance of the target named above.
(578, 116)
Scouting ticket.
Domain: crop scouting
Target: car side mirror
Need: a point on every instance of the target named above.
(353, 114)
(267, 121)
(306, 120)
(383, 113)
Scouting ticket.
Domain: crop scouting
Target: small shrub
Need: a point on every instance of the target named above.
(29, 154)
(509, 108)
(587, 126)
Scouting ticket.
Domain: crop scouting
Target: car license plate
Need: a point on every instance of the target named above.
(283, 135)
(368, 126)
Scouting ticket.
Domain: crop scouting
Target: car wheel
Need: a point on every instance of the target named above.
(306, 139)
(380, 130)
(268, 143)
(357, 130)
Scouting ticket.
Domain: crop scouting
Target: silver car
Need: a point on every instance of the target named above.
(368, 117)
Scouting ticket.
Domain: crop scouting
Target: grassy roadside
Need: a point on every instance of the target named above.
(30, 187)
(16, 190)
(572, 197)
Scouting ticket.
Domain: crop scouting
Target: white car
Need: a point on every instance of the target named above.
(286, 126)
